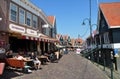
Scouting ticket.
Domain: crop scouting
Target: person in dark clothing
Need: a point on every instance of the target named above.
(9, 54)
(37, 63)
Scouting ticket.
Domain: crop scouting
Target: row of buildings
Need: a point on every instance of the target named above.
(67, 41)
(105, 44)
(25, 27)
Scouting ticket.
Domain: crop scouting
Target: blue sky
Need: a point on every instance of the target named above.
(70, 15)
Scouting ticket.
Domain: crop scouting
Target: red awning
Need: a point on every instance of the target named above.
(30, 37)
(46, 38)
(42, 37)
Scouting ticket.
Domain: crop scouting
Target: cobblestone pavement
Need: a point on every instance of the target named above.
(70, 66)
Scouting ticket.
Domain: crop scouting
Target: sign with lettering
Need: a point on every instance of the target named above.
(116, 52)
(45, 26)
(30, 31)
(17, 28)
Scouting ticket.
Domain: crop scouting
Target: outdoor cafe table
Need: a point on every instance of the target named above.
(29, 62)
(42, 58)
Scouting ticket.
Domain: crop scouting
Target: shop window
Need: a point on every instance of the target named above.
(21, 16)
(13, 12)
(28, 19)
(35, 21)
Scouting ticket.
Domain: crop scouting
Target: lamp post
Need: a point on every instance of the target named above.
(89, 20)
(89, 25)
(91, 38)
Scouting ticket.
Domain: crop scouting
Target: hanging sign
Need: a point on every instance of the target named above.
(116, 53)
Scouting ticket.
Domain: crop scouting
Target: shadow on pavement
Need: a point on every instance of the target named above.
(10, 73)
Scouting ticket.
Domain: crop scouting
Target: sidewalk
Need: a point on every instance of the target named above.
(116, 74)
(70, 66)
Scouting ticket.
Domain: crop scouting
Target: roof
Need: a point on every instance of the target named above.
(58, 36)
(72, 41)
(79, 40)
(111, 12)
(51, 19)
(65, 37)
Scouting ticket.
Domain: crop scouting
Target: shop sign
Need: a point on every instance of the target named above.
(17, 28)
(30, 31)
(116, 53)
(45, 26)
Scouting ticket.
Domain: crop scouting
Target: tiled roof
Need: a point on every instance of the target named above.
(51, 19)
(79, 40)
(111, 11)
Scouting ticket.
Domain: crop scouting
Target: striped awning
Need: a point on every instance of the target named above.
(30, 37)
(48, 39)
(41, 37)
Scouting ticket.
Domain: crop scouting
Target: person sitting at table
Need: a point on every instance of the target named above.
(37, 63)
(46, 55)
(20, 57)
(9, 54)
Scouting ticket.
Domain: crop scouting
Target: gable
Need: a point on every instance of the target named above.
(111, 12)
(52, 19)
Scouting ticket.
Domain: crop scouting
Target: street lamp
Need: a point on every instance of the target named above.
(89, 20)
(89, 26)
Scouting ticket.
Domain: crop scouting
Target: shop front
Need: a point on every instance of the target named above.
(22, 39)
(25, 40)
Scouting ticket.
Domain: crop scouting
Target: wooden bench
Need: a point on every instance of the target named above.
(12, 62)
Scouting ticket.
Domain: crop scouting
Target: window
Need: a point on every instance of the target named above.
(103, 23)
(35, 21)
(100, 37)
(13, 12)
(106, 38)
(28, 19)
(44, 30)
(95, 40)
(21, 16)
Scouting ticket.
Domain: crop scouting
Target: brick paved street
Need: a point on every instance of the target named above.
(70, 66)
